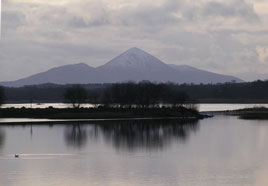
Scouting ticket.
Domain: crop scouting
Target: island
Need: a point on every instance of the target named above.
(101, 113)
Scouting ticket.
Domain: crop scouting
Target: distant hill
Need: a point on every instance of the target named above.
(202, 76)
(132, 65)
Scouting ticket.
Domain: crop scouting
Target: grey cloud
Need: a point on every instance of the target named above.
(237, 8)
(95, 14)
(79, 22)
(154, 15)
(141, 15)
(12, 19)
(62, 17)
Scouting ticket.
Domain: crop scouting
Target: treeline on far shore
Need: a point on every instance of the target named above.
(127, 95)
(145, 93)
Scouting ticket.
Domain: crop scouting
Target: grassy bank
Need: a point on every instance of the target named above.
(98, 113)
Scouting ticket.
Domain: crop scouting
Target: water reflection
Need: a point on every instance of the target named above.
(144, 134)
(76, 136)
(223, 150)
(2, 139)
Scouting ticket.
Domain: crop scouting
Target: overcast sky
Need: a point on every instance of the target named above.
(223, 36)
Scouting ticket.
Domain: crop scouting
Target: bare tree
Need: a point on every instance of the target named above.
(179, 98)
(76, 95)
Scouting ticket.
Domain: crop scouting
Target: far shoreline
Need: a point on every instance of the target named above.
(252, 113)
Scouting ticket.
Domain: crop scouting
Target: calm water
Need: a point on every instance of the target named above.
(219, 151)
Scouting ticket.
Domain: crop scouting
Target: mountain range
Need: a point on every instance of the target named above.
(132, 65)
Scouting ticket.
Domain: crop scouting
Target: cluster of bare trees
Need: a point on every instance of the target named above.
(76, 95)
(142, 95)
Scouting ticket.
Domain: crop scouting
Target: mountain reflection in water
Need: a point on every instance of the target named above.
(132, 135)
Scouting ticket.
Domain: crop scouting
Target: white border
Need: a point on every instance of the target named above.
(0, 18)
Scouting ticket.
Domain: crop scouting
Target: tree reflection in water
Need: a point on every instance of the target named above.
(131, 135)
(76, 136)
(2, 138)
(145, 134)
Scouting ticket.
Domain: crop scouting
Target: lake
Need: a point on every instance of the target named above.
(223, 150)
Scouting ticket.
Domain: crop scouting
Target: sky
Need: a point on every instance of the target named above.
(223, 36)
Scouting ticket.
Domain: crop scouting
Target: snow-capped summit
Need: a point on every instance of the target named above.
(135, 58)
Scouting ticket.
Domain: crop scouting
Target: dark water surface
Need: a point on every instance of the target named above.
(219, 151)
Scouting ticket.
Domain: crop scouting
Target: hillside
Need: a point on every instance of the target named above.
(132, 65)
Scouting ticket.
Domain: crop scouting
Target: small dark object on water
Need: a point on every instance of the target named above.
(16, 156)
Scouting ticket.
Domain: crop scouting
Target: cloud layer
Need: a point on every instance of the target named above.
(224, 36)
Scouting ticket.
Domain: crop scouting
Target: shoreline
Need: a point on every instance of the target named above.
(69, 115)
(253, 113)
(86, 121)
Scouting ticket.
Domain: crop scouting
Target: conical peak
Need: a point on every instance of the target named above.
(134, 49)
(136, 58)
